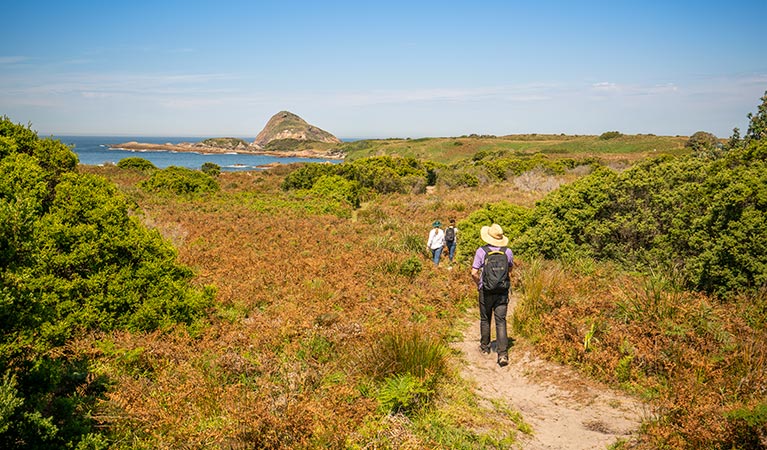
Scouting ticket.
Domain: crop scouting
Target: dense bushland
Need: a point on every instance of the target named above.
(383, 175)
(701, 215)
(73, 261)
(688, 333)
(387, 174)
(499, 166)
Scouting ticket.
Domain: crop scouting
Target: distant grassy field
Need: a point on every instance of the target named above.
(452, 149)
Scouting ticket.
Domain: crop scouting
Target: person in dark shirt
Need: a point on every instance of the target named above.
(493, 300)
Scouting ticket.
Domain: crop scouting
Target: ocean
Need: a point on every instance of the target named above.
(94, 150)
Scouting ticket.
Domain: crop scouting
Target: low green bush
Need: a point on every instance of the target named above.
(749, 426)
(211, 169)
(512, 218)
(610, 135)
(403, 394)
(135, 163)
(180, 181)
(411, 352)
(411, 267)
(337, 188)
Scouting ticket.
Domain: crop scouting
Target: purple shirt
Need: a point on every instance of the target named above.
(479, 259)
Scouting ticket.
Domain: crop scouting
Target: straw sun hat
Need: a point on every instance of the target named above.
(493, 235)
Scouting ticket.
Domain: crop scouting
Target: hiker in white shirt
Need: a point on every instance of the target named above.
(436, 242)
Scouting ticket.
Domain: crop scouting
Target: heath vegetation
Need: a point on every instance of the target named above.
(297, 307)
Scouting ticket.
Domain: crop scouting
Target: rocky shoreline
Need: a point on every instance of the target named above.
(191, 147)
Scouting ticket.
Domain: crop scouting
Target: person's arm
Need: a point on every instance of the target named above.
(476, 266)
(475, 275)
(431, 237)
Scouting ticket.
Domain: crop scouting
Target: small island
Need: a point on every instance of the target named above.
(285, 135)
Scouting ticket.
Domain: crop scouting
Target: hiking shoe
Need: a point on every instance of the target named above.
(503, 361)
(484, 350)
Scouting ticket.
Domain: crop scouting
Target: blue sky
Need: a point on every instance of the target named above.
(383, 69)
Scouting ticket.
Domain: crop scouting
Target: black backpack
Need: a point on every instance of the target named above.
(495, 272)
(450, 234)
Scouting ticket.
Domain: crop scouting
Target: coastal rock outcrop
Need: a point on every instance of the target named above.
(288, 126)
(285, 134)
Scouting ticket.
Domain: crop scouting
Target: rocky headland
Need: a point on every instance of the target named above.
(285, 135)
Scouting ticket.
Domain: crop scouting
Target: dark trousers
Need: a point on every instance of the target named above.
(493, 305)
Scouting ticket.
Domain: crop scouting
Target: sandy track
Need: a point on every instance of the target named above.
(565, 410)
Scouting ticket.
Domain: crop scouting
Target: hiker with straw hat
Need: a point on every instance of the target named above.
(490, 271)
(436, 242)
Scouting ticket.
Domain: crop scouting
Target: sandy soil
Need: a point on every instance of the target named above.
(565, 410)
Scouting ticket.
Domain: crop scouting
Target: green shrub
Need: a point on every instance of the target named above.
(701, 141)
(610, 135)
(180, 181)
(135, 163)
(211, 169)
(748, 426)
(284, 145)
(411, 267)
(502, 168)
(403, 394)
(305, 176)
(512, 218)
(9, 402)
(557, 224)
(225, 142)
(337, 188)
(383, 174)
(411, 352)
(459, 178)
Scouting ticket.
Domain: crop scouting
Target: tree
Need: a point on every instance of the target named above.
(757, 127)
(735, 140)
(701, 141)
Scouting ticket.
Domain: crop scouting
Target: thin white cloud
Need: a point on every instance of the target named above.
(606, 86)
(13, 59)
(517, 93)
(610, 88)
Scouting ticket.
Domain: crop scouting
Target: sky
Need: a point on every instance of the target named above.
(379, 69)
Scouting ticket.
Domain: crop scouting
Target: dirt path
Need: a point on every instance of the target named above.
(565, 410)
